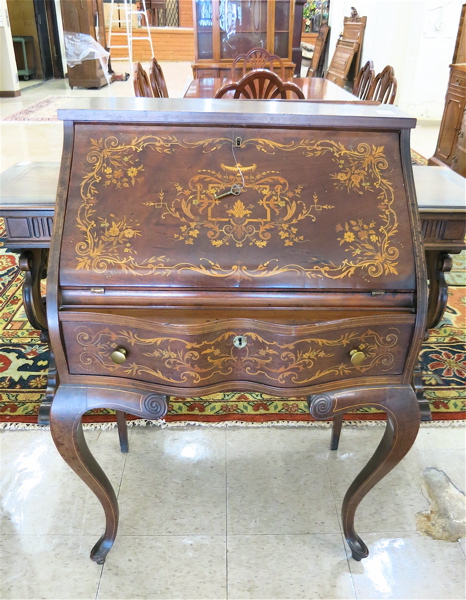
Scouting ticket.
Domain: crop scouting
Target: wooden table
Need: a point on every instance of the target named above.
(27, 204)
(313, 88)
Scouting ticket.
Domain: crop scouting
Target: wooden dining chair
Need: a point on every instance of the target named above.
(364, 81)
(384, 86)
(141, 84)
(157, 79)
(260, 84)
(257, 58)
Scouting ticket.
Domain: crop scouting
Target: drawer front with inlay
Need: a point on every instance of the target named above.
(239, 350)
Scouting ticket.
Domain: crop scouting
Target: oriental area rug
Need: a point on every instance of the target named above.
(42, 111)
(24, 364)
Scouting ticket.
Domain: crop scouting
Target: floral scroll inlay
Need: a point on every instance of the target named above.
(175, 360)
(279, 208)
(108, 242)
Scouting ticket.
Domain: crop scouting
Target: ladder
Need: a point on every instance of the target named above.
(123, 38)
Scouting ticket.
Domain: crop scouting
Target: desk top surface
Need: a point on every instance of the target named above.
(32, 185)
(212, 112)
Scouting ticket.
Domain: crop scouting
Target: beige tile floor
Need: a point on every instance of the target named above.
(216, 512)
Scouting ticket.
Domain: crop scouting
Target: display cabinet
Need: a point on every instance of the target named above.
(449, 139)
(224, 29)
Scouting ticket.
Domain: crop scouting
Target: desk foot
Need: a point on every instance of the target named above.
(101, 549)
(69, 405)
(358, 548)
(403, 417)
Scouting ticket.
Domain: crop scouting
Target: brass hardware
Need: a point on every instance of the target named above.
(357, 357)
(240, 341)
(97, 290)
(238, 142)
(377, 293)
(119, 355)
(235, 190)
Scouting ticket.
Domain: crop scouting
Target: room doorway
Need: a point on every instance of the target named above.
(34, 29)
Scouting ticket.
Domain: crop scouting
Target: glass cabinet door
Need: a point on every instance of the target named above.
(243, 25)
(282, 28)
(204, 28)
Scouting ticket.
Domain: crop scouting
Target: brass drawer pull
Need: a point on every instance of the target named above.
(240, 341)
(357, 357)
(119, 355)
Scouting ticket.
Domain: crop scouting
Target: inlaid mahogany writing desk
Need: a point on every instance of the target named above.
(27, 203)
(204, 247)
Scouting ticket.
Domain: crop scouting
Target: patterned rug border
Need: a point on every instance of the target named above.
(178, 424)
(43, 111)
(103, 421)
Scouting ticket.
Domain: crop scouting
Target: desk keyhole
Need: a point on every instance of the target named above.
(240, 341)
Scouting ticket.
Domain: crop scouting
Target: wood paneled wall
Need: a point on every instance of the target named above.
(168, 43)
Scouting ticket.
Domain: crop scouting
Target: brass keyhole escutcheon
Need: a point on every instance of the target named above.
(119, 355)
(357, 357)
(240, 341)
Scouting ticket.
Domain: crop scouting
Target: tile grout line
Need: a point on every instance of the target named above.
(226, 517)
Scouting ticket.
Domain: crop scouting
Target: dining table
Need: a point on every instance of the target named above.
(313, 88)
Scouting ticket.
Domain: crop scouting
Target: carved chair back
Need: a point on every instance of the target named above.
(260, 84)
(384, 86)
(257, 58)
(157, 79)
(364, 81)
(141, 84)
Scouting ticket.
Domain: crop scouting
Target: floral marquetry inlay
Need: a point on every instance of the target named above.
(176, 360)
(275, 208)
(268, 207)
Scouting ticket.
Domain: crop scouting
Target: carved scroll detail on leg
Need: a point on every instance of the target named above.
(34, 263)
(401, 405)
(43, 417)
(69, 404)
(438, 263)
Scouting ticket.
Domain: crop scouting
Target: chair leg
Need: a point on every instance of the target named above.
(122, 430)
(336, 430)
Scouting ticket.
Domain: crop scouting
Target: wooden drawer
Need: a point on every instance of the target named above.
(238, 350)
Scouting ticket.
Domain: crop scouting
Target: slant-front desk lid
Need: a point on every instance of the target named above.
(244, 195)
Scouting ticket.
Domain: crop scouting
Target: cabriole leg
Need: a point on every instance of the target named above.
(69, 404)
(403, 417)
